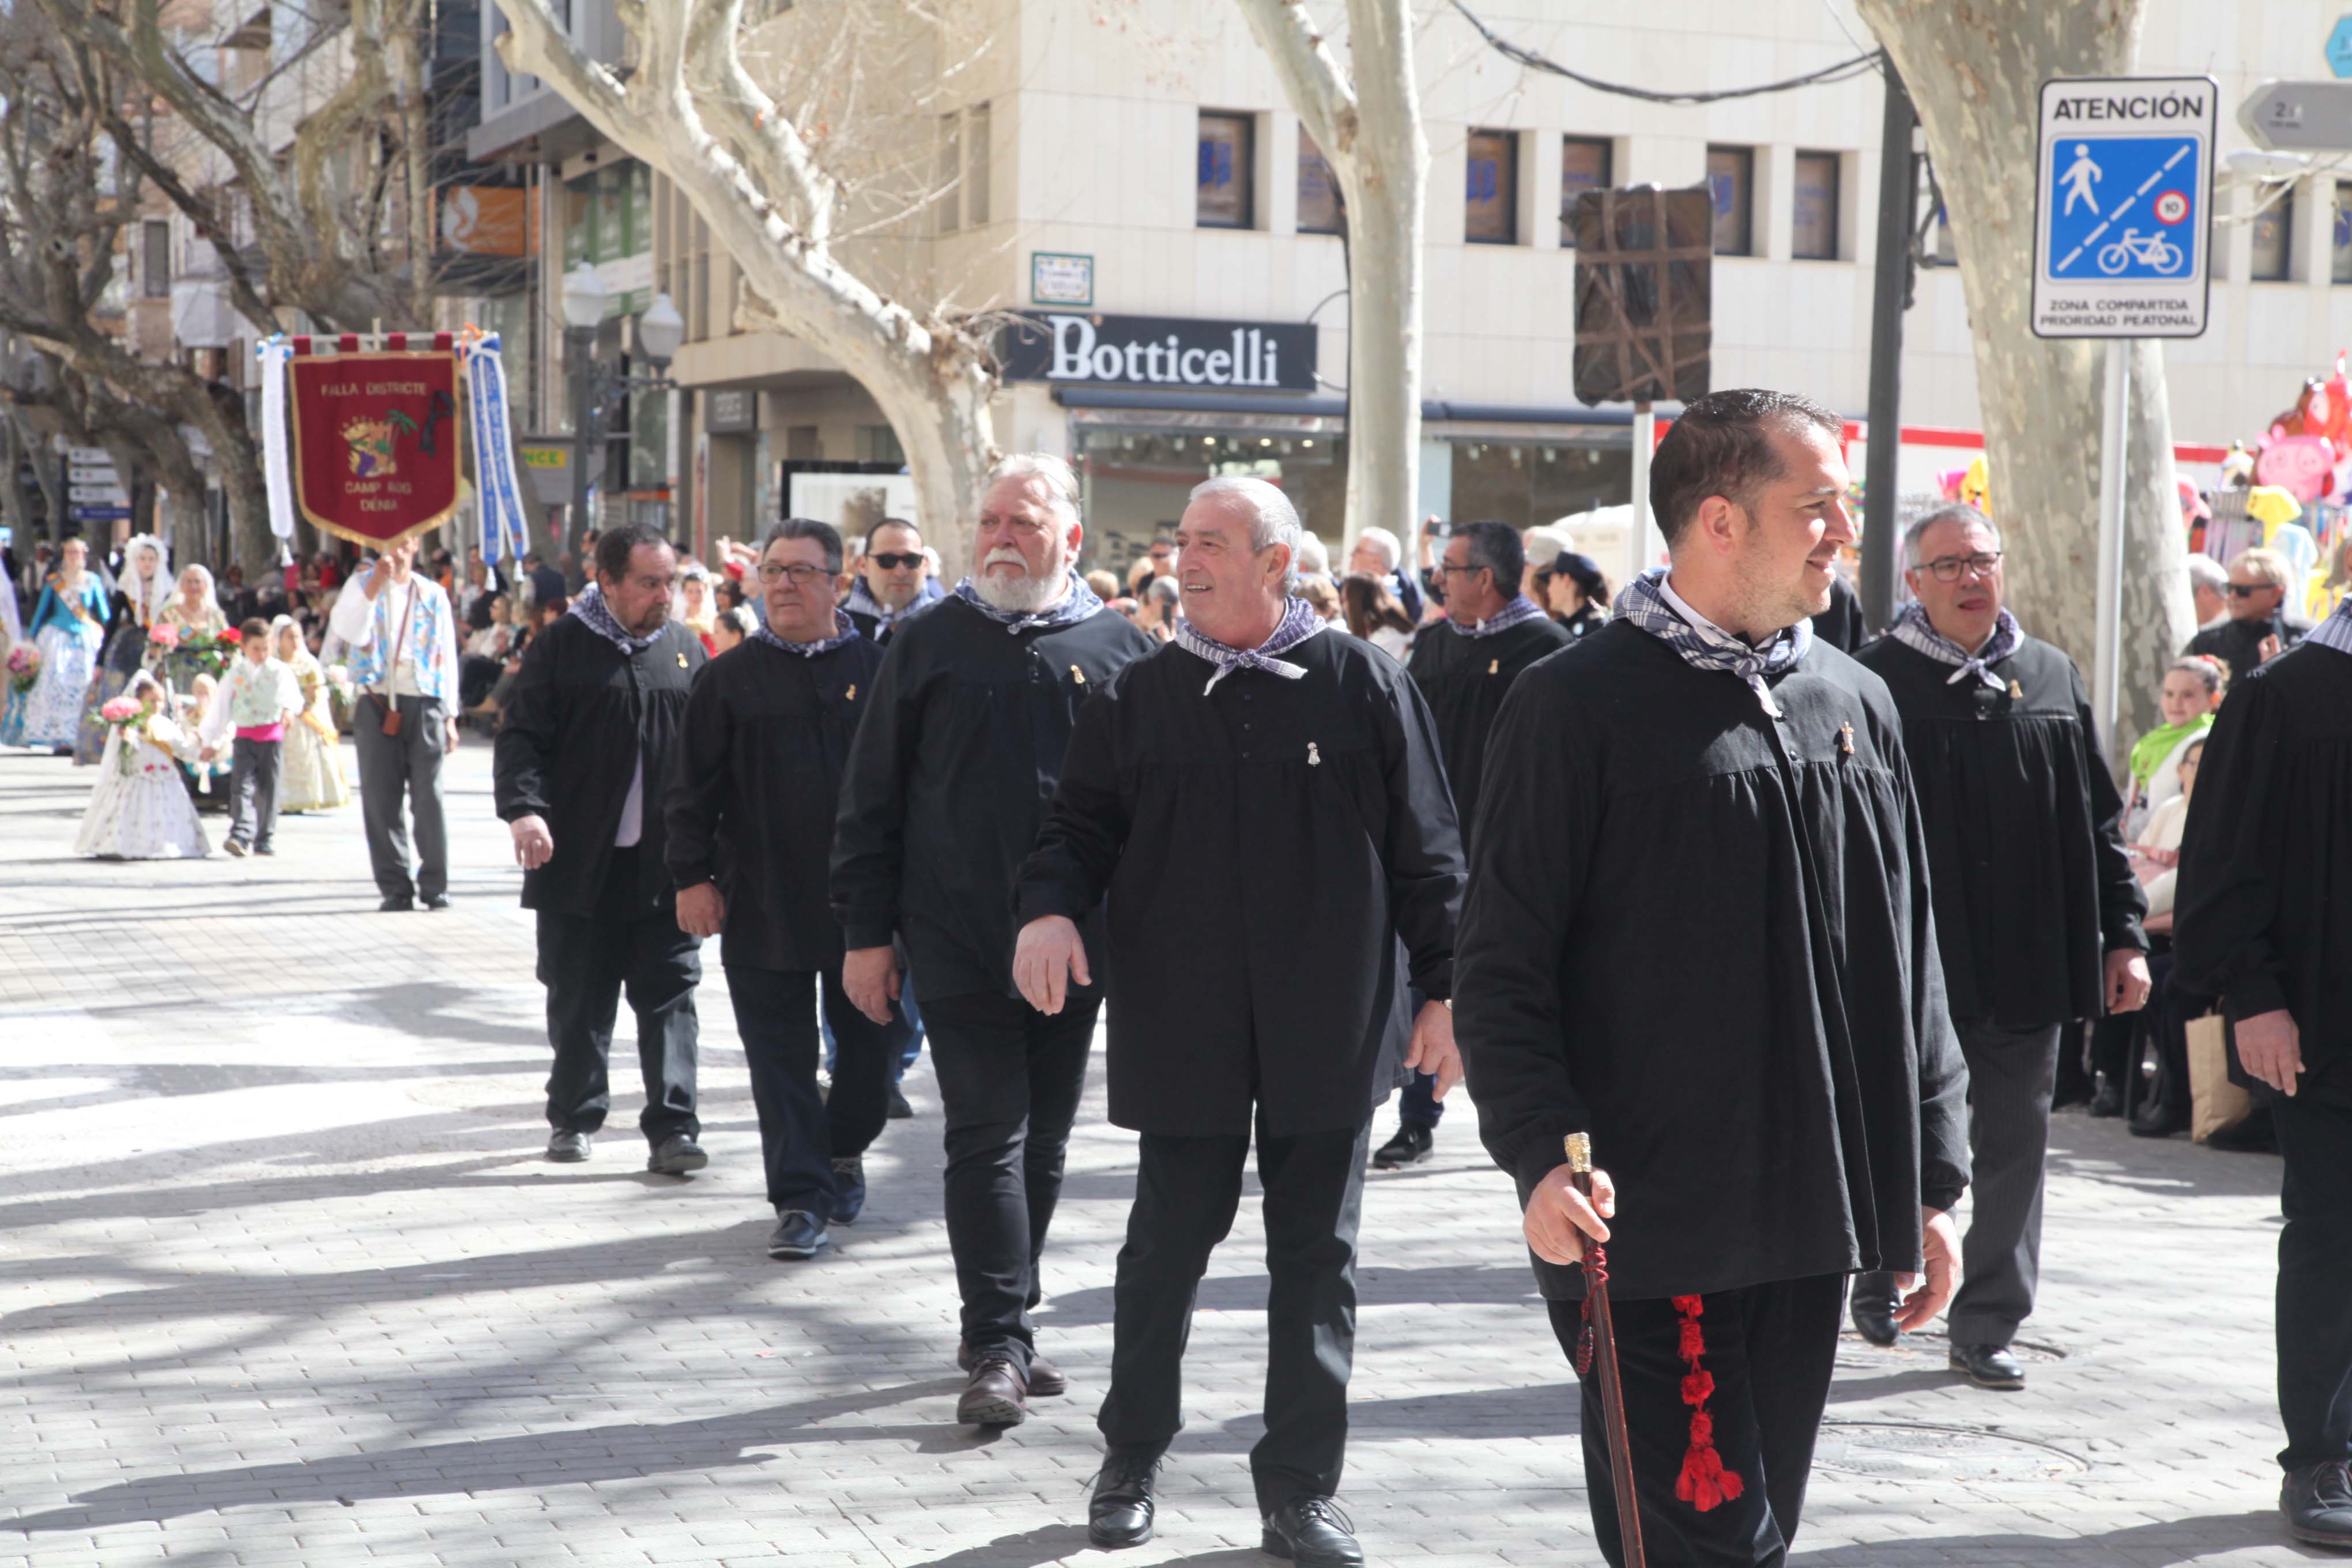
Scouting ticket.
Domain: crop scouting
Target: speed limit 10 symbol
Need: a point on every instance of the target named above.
(2171, 207)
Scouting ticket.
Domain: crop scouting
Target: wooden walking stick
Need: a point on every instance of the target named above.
(1598, 1344)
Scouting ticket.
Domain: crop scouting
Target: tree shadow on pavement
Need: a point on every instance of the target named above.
(564, 1455)
(2155, 1545)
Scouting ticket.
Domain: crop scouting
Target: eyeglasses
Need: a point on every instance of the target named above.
(1948, 568)
(889, 561)
(1446, 566)
(2248, 590)
(800, 571)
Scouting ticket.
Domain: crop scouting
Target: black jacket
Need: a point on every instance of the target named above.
(2024, 844)
(2238, 644)
(1262, 851)
(2260, 913)
(751, 804)
(1840, 625)
(949, 780)
(1703, 936)
(580, 716)
(1462, 679)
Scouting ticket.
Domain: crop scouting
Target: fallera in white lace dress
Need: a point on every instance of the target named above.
(144, 814)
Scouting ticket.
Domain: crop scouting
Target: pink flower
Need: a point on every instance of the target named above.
(119, 709)
(164, 637)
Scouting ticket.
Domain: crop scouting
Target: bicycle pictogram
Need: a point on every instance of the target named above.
(2152, 251)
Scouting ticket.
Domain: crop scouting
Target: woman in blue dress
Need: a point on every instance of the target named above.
(68, 626)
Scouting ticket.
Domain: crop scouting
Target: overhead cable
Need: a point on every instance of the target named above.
(1844, 70)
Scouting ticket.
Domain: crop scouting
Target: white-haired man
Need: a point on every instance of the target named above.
(945, 787)
(2261, 625)
(1380, 552)
(1252, 788)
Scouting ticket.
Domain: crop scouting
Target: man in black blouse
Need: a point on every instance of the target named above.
(1257, 790)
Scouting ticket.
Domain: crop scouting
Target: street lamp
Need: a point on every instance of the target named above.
(583, 313)
(660, 331)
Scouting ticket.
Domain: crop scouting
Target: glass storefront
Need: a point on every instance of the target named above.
(1525, 483)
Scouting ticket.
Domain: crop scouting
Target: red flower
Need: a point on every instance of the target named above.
(231, 636)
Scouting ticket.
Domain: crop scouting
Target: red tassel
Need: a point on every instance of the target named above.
(1704, 1483)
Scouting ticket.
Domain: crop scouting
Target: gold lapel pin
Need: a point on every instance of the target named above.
(1077, 675)
(851, 696)
(1493, 666)
(681, 662)
(1845, 739)
(2016, 692)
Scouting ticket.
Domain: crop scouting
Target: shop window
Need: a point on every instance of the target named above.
(1223, 198)
(2339, 266)
(1813, 208)
(1319, 203)
(1731, 181)
(1525, 483)
(1491, 189)
(976, 155)
(2274, 236)
(1586, 164)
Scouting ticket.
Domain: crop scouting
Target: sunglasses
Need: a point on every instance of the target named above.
(891, 562)
(2248, 590)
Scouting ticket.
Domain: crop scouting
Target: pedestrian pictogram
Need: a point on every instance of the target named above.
(2124, 178)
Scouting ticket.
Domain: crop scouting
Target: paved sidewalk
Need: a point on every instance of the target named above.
(286, 1281)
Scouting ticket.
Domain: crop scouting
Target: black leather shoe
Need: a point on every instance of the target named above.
(1873, 1317)
(1410, 1146)
(848, 1190)
(2317, 1502)
(798, 1235)
(1312, 1530)
(568, 1148)
(2255, 1135)
(997, 1395)
(675, 1155)
(435, 900)
(1988, 1366)
(1046, 1379)
(2109, 1101)
(1120, 1513)
(396, 904)
(899, 1110)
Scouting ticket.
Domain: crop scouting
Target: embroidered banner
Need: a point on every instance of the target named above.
(376, 435)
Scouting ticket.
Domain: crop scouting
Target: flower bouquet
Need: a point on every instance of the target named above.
(164, 637)
(23, 667)
(208, 655)
(126, 714)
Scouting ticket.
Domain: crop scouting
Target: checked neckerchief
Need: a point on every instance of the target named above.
(1075, 606)
(1519, 609)
(1298, 623)
(1649, 604)
(2335, 631)
(844, 630)
(1914, 631)
(590, 608)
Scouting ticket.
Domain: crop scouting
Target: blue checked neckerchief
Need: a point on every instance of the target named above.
(1298, 623)
(2335, 631)
(1519, 609)
(844, 630)
(1649, 604)
(591, 608)
(863, 602)
(1075, 606)
(1913, 630)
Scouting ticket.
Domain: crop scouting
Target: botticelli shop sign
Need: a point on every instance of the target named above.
(1170, 353)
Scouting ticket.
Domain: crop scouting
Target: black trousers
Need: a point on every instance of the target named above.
(2314, 1278)
(1010, 1078)
(2011, 1075)
(800, 1134)
(586, 961)
(1770, 1349)
(1187, 1190)
(252, 791)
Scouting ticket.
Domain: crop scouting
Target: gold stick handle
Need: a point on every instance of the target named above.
(1580, 1152)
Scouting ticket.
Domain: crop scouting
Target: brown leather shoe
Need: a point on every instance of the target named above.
(997, 1395)
(1046, 1379)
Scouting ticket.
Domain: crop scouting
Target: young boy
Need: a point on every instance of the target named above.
(258, 697)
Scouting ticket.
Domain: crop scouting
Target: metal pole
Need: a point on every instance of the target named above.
(1637, 537)
(1898, 196)
(2107, 678)
(578, 344)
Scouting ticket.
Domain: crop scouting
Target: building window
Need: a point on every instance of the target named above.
(976, 155)
(1319, 203)
(2275, 239)
(1731, 180)
(879, 444)
(2339, 270)
(1491, 189)
(1814, 207)
(950, 203)
(1586, 164)
(1223, 199)
(155, 260)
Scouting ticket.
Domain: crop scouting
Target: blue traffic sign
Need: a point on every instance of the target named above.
(2123, 206)
(2339, 46)
(97, 513)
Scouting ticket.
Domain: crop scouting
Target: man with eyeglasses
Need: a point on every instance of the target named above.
(893, 582)
(2037, 911)
(2259, 627)
(749, 810)
(1492, 632)
(585, 747)
(945, 788)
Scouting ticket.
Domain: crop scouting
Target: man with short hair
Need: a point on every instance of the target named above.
(2209, 590)
(2037, 909)
(751, 862)
(2260, 626)
(2264, 864)
(1378, 552)
(403, 636)
(1254, 787)
(893, 582)
(584, 748)
(940, 801)
(1493, 632)
(1698, 928)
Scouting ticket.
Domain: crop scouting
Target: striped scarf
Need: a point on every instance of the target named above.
(1914, 631)
(1653, 606)
(1519, 609)
(844, 630)
(1298, 623)
(1075, 606)
(597, 616)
